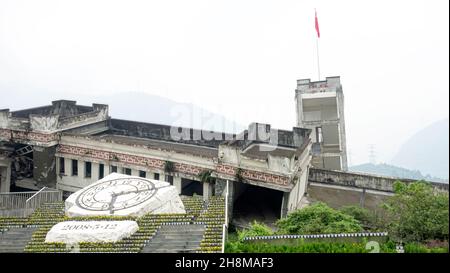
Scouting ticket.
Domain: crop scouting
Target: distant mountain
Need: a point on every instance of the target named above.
(390, 170)
(154, 109)
(427, 150)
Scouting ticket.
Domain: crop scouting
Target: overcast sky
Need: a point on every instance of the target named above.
(240, 58)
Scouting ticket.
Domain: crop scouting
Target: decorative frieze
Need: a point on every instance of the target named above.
(179, 167)
(7, 134)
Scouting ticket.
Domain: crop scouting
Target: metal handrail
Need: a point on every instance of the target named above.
(224, 226)
(35, 194)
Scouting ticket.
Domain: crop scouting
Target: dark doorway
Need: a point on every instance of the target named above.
(256, 203)
(191, 187)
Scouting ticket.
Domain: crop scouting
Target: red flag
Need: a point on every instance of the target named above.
(317, 26)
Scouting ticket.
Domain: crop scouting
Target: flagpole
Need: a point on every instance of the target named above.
(317, 43)
(318, 63)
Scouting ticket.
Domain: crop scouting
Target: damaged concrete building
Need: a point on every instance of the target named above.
(66, 146)
(269, 172)
(320, 107)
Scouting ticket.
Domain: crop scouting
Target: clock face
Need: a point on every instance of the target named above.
(116, 194)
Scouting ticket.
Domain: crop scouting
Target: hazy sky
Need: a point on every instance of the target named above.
(239, 58)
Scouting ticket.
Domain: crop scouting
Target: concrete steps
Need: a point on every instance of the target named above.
(15, 239)
(176, 239)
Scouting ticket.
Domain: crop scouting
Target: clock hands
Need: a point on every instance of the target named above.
(115, 195)
(113, 200)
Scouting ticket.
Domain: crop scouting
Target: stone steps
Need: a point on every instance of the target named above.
(15, 239)
(176, 239)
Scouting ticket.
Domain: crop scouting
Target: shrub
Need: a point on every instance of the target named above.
(316, 219)
(169, 167)
(366, 218)
(256, 229)
(206, 176)
(418, 248)
(315, 247)
(417, 213)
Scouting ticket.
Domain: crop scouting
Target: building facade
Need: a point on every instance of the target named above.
(68, 146)
(320, 107)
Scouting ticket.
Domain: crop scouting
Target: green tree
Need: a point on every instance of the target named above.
(318, 218)
(368, 219)
(417, 213)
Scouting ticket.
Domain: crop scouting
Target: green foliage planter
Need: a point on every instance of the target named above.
(326, 247)
(12, 222)
(321, 247)
(211, 213)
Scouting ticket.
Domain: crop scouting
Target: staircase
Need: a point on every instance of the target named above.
(14, 240)
(176, 239)
(25, 150)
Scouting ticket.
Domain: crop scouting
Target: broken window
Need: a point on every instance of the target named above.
(113, 169)
(156, 177)
(74, 167)
(62, 167)
(142, 174)
(319, 137)
(87, 169)
(101, 171)
(127, 171)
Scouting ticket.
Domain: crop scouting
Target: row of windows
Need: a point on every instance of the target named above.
(101, 170)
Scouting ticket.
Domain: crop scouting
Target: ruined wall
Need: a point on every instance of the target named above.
(337, 188)
(44, 172)
(361, 181)
(339, 197)
(297, 193)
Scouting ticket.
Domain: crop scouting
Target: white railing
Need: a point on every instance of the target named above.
(317, 236)
(14, 200)
(22, 204)
(225, 225)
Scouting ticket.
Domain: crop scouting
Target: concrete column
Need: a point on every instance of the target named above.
(57, 166)
(5, 178)
(81, 179)
(94, 172)
(106, 169)
(68, 166)
(284, 204)
(2, 178)
(177, 183)
(134, 172)
(207, 190)
(7, 186)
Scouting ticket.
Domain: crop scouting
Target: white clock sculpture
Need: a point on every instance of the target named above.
(119, 194)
